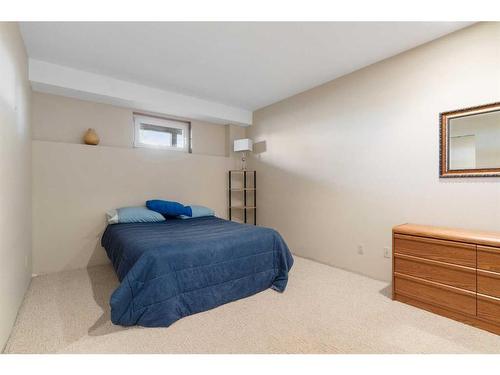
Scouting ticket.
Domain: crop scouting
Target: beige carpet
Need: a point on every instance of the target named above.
(324, 310)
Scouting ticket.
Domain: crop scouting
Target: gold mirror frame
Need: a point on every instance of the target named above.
(444, 151)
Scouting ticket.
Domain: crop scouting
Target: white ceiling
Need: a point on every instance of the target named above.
(244, 64)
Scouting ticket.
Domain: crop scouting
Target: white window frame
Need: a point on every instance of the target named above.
(163, 122)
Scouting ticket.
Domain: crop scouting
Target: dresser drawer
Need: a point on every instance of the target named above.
(488, 308)
(488, 258)
(444, 251)
(488, 283)
(450, 298)
(453, 275)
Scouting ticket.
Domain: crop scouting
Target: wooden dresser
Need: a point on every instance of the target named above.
(451, 272)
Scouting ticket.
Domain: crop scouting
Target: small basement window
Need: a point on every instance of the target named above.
(157, 132)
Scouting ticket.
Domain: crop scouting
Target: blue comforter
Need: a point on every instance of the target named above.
(176, 268)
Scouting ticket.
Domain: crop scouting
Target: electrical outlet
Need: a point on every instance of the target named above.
(387, 252)
(360, 249)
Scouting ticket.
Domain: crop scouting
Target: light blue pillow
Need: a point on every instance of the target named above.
(133, 215)
(199, 211)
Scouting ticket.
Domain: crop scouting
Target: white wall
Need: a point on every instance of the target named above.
(15, 176)
(344, 162)
(66, 81)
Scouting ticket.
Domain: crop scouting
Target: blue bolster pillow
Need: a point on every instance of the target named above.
(169, 208)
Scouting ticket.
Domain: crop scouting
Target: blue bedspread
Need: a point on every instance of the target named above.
(176, 268)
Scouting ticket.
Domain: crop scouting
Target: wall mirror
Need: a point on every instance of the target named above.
(470, 142)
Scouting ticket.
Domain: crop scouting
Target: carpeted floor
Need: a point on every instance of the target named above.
(324, 310)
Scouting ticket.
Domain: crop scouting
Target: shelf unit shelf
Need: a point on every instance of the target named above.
(244, 189)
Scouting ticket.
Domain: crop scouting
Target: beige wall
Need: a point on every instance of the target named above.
(74, 185)
(346, 161)
(15, 176)
(61, 119)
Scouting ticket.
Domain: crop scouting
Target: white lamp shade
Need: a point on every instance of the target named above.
(245, 144)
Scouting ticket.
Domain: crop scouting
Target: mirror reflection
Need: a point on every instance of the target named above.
(474, 141)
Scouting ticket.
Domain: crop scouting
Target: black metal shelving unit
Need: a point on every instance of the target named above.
(244, 189)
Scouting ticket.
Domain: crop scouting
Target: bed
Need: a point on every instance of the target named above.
(172, 269)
